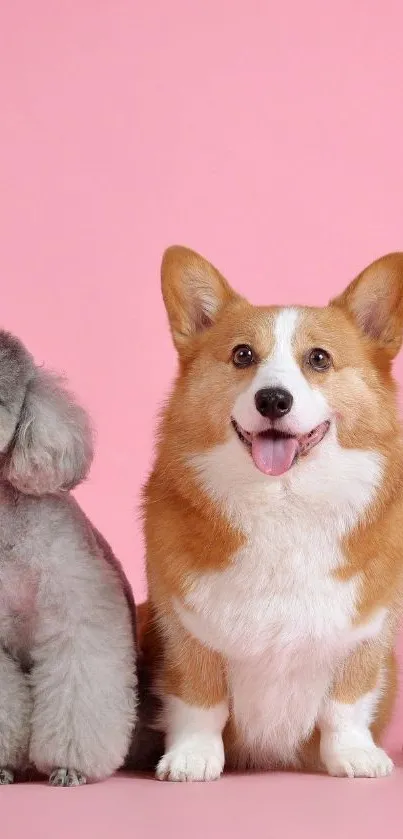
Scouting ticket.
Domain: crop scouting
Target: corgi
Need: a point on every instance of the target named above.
(274, 528)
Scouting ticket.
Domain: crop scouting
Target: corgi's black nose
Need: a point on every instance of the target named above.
(273, 402)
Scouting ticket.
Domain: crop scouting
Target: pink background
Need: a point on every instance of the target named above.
(269, 137)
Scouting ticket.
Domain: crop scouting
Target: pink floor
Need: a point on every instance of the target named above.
(272, 806)
(278, 806)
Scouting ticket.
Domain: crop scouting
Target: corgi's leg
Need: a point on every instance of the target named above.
(195, 712)
(15, 718)
(350, 712)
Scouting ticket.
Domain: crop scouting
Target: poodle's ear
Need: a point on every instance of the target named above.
(52, 445)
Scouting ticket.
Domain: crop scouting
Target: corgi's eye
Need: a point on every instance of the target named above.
(319, 359)
(243, 356)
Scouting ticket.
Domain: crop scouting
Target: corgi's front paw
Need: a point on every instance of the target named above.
(193, 761)
(179, 765)
(356, 762)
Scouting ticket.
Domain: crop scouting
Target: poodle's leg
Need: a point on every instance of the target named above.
(83, 686)
(15, 718)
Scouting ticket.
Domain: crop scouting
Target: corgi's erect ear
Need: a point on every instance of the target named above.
(375, 301)
(194, 294)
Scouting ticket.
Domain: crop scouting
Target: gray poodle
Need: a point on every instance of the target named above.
(67, 634)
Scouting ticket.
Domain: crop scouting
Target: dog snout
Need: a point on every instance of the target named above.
(273, 402)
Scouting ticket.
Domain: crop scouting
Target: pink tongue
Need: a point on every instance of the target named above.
(274, 456)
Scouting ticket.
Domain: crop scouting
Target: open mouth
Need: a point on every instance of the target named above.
(275, 452)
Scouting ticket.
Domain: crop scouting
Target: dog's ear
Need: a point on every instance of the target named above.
(51, 449)
(194, 294)
(16, 369)
(374, 300)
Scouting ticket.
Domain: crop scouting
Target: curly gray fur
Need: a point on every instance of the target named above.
(68, 686)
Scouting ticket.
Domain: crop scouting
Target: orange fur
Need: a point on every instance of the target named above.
(187, 533)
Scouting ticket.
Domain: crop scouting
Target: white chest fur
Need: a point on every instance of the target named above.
(278, 613)
(273, 597)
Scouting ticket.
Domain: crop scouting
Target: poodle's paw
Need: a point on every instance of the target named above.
(6, 776)
(66, 778)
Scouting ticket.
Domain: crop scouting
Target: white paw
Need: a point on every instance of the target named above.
(356, 762)
(182, 764)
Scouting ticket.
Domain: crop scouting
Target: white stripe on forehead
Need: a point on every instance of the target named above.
(281, 369)
(284, 331)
